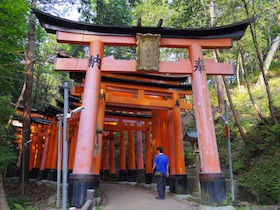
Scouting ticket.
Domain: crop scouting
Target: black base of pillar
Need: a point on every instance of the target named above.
(33, 174)
(149, 178)
(105, 175)
(140, 176)
(40, 175)
(131, 175)
(45, 174)
(78, 186)
(96, 185)
(178, 184)
(112, 177)
(52, 175)
(122, 175)
(213, 188)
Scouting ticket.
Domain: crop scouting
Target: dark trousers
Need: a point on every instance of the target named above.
(161, 183)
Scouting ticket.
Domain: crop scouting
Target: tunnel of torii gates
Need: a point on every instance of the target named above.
(138, 102)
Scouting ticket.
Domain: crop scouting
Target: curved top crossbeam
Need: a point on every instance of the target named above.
(52, 24)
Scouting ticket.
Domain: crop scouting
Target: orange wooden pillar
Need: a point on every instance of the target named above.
(105, 170)
(38, 152)
(73, 142)
(49, 170)
(149, 165)
(178, 182)
(163, 131)
(53, 174)
(123, 171)
(140, 171)
(112, 168)
(32, 156)
(211, 179)
(156, 131)
(82, 177)
(170, 134)
(131, 172)
(97, 161)
(46, 137)
(53, 154)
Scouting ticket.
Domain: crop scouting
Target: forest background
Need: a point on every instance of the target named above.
(27, 78)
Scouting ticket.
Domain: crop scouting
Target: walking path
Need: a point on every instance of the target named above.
(127, 197)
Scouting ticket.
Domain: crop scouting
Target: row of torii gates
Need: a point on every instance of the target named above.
(145, 95)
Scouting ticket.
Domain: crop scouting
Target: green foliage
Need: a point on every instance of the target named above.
(261, 183)
(20, 203)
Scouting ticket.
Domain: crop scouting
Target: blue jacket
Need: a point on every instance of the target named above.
(161, 162)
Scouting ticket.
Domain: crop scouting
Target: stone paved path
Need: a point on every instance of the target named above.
(127, 197)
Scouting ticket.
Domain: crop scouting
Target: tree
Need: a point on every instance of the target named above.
(27, 96)
(261, 65)
(12, 29)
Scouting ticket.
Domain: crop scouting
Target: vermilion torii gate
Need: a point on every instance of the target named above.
(195, 40)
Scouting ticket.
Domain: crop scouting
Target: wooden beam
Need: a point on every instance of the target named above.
(109, 64)
(85, 39)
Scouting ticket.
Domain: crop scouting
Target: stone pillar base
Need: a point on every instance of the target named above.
(213, 188)
(122, 175)
(140, 176)
(149, 178)
(178, 184)
(78, 186)
(131, 175)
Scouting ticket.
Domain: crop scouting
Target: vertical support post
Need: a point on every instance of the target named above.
(163, 131)
(229, 152)
(156, 131)
(82, 177)
(106, 160)
(170, 133)
(131, 177)
(123, 172)
(211, 179)
(53, 171)
(58, 162)
(149, 175)
(178, 182)
(179, 144)
(140, 172)
(100, 123)
(98, 146)
(65, 148)
(112, 170)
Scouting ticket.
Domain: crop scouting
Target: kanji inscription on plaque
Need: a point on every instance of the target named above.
(147, 52)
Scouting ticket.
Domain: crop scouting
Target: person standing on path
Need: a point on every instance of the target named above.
(160, 167)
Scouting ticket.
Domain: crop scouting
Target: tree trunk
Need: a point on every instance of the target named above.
(219, 85)
(261, 65)
(218, 79)
(27, 98)
(248, 84)
(3, 200)
(238, 124)
(269, 58)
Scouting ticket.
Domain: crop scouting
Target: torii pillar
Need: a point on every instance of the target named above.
(82, 177)
(212, 180)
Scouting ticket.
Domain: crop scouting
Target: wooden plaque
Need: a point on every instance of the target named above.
(147, 52)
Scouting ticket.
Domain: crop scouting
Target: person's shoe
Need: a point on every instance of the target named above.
(159, 198)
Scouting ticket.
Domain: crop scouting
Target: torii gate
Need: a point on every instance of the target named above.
(211, 178)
